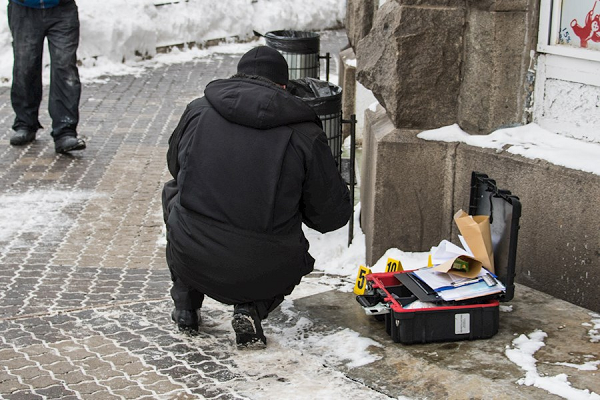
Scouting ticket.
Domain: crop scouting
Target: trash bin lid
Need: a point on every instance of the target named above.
(300, 42)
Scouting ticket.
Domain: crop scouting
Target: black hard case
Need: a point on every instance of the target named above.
(477, 319)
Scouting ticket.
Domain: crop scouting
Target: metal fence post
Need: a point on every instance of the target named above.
(352, 122)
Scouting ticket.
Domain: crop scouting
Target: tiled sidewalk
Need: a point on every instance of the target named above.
(84, 306)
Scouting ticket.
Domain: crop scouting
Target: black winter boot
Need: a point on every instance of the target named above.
(22, 137)
(66, 144)
(248, 330)
(187, 320)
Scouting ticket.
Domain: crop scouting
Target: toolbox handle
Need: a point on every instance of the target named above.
(363, 301)
(492, 206)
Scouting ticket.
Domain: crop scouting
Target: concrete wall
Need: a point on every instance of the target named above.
(412, 210)
(410, 189)
(559, 239)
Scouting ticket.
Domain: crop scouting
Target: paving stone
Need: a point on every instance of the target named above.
(28, 372)
(72, 377)
(12, 385)
(104, 373)
(93, 363)
(42, 382)
(163, 386)
(22, 395)
(55, 392)
(48, 358)
(7, 354)
(132, 392)
(17, 363)
(101, 395)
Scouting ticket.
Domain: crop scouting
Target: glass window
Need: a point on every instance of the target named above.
(580, 24)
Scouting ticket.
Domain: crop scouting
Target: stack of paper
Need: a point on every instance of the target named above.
(452, 288)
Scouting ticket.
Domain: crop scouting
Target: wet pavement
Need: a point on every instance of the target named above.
(84, 305)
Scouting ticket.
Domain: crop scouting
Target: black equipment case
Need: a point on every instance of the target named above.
(385, 296)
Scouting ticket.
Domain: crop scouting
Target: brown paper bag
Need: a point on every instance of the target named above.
(474, 267)
(476, 232)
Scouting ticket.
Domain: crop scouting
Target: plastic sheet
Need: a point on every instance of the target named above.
(324, 97)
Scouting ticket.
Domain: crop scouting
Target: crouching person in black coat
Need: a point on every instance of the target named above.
(250, 164)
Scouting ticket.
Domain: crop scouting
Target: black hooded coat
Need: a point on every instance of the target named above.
(250, 163)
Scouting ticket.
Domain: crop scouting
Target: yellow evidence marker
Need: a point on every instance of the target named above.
(361, 280)
(393, 266)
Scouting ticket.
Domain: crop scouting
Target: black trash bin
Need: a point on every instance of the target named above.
(326, 99)
(300, 49)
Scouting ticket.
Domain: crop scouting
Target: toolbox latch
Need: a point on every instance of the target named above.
(373, 302)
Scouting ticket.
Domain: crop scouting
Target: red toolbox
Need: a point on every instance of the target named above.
(388, 299)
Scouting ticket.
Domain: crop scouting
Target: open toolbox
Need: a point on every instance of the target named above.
(386, 298)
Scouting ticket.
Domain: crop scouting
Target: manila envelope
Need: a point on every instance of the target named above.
(476, 232)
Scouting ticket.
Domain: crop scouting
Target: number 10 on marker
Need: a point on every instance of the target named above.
(393, 265)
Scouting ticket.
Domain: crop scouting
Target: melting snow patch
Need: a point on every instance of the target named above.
(587, 366)
(48, 206)
(522, 354)
(594, 333)
(344, 347)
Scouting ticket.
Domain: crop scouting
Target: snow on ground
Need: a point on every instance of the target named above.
(299, 361)
(48, 206)
(524, 347)
(594, 332)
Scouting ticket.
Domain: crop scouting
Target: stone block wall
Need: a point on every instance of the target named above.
(431, 63)
(359, 16)
(411, 61)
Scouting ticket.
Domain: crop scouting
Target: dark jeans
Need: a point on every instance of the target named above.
(187, 298)
(29, 27)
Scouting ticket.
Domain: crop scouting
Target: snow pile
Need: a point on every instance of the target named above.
(331, 252)
(530, 141)
(115, 31)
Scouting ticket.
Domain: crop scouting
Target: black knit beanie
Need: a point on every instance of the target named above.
(266, 62)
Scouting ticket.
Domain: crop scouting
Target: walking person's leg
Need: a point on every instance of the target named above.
(26, 92)
(62, 24)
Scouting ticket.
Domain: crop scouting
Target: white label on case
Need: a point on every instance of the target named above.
(462, 324)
